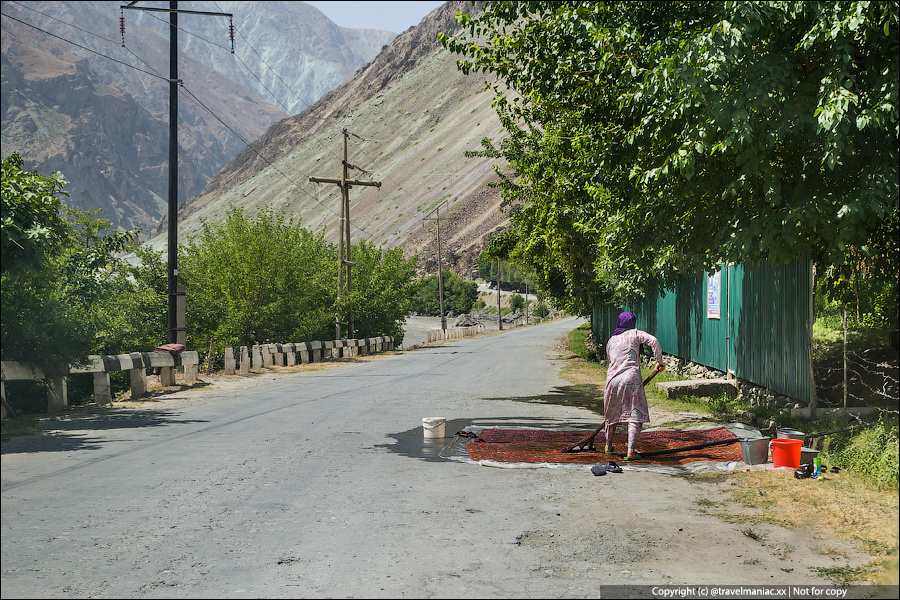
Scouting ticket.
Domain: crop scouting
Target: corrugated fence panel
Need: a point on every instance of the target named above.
(762, 335)
(772, 316)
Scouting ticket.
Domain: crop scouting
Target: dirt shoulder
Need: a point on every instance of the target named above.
(706, 525)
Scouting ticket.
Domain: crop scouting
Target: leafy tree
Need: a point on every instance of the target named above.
(135, 305)
(55, 288)
(253, 279)
(541, 310)
(259, 278)
(380, 299)
(648, 139)
(32, 226)
(459, 295)
(516, 302)
(511, 274)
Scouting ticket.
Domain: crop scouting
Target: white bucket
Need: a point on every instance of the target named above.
(434, 426)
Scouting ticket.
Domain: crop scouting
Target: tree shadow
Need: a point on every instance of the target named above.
(583, 395)
(70, 430)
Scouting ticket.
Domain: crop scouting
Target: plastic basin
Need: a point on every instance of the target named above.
(786, 453)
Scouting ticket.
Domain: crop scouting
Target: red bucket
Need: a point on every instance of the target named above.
(786, 452)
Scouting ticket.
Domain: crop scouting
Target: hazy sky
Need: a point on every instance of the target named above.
(395, 17)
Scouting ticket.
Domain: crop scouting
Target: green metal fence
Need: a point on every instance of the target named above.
(752, 321)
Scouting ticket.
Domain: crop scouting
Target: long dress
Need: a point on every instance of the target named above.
(624, 400)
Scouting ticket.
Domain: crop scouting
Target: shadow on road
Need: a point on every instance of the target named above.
(70, 431)
(584, 395)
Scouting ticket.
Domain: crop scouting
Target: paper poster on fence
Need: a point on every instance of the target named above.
(713, 295)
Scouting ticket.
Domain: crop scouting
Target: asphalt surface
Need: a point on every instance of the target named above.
(321, 484)
(313, 484)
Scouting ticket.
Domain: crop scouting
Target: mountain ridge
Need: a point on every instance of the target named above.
(78, 99)
(412, 116)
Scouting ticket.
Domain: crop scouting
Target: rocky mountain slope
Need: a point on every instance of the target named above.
(78, 98)
(411, 116)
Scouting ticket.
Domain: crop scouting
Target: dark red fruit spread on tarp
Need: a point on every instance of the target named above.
(546, 446)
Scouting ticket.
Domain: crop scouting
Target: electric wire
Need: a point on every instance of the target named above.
(83, 47)
(187, 32)
(296, 95)
(270, 163)
(192, 97)
(268, 66)
(212, 43)
(254, 75)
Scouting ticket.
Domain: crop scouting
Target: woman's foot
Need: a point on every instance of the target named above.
(608, 449)
(632, 455)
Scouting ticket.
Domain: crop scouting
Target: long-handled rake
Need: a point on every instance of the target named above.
(587, 443)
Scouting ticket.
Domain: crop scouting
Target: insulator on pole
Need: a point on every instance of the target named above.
(231, 32)
(122, 25)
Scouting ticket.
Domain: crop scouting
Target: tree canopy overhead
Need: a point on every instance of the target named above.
(647, 139)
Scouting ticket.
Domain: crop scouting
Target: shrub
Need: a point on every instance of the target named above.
(516, 302)
(873, 452)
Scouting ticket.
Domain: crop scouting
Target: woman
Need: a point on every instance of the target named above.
(624, 400)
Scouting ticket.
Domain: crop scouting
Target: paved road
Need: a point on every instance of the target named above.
(314, 484)
(320, 484)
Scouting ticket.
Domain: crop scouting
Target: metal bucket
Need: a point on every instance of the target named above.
(790, 434)
(807, 455)
(756, 450)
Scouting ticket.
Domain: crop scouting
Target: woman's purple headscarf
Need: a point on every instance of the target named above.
(626, 321)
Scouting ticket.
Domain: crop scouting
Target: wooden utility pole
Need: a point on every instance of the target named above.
(344, 234)
(526, 302)
(440, 263)
(499, 312)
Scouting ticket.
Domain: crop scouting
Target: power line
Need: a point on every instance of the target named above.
(193, 97)
(265, 158)
(191, 33)
(210, 111)
(268, 66)
(83, 47)
(19, 4)
(197, 101)
(250, 71)
(247, 67)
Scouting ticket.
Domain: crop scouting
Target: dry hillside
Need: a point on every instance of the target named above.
(412, 116)
(78, 98)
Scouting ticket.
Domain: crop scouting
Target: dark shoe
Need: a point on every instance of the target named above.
(804, 472)
(613, 467)
(598, 470)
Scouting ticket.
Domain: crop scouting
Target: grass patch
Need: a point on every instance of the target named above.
(577, 346)
(872, 452)
(852, 506)
(844, 576)
(828, 334)
(758, 536)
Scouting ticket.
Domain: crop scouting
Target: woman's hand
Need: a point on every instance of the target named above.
(660, 366)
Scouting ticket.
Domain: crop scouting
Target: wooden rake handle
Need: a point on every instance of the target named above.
(652, 375)
(588, 442)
